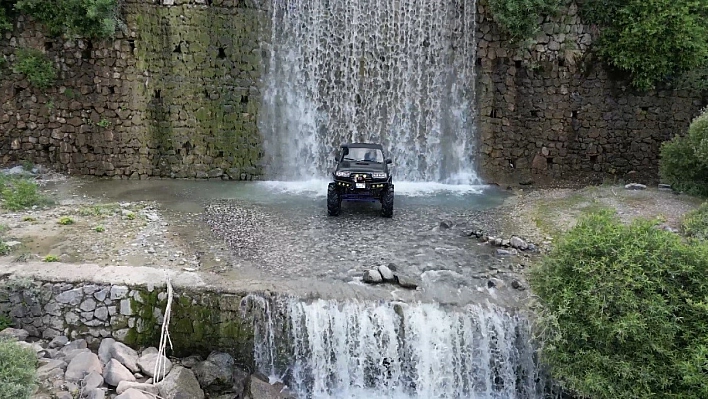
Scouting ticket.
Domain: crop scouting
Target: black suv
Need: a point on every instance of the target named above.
(361, 174)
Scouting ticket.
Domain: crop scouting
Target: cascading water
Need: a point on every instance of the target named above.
(399, 72)
(351, 350)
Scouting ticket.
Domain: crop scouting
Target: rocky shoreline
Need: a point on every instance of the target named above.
(110, 369)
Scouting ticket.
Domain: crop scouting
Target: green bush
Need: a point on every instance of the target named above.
(695, 223)
(519, 18)
(5, 322)
(5, 22)
(83, 18)
(20, 193)
(623, 311)
(653, 40)
(684, 159)
(38, 69)
(17, 370)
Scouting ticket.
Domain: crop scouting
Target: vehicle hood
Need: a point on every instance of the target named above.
(361, 167)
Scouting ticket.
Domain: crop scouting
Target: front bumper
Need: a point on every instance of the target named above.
(364, 191)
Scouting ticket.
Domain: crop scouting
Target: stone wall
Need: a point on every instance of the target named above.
(549, 112)
(175, 94)
(201, 321)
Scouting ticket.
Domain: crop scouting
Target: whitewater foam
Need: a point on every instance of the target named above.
(318, 188)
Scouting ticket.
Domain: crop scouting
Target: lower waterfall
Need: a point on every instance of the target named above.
(356, 349)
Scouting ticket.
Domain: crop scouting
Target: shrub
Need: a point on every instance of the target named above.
(17, 370)
(5, 322)
(695, 223)
(5, 23)
(38, 69)
(519, 18)
(65, 221)
(20, 194)
(50, 258)
(684, 159)
(653, 40)
(84, 18)
(623, 311)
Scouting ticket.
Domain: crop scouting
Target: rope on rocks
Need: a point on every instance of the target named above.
(160, 364)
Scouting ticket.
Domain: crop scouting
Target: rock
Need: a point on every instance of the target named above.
(149, 351)
(407, 281)
(503, 252)
(115, 372)
(64, 395)
(372, 277)
(78, 344)
(240, 379)
(386, 273)
(517, 285)
(82, 365)
(446, 224)
(505, 243)
(94, 394)
(141, 386)
(635, 186)
(135, 394)
(69, 355)
(181, 383)
(221, 359)
(126, 355)
(191, 361)
(665, 187)
(532, 247)
(92, 381)
(518, 243)
(58, 342)
(17, 333)
(104, 350)
(71, 297)
(211, 375)
(146, 363)
(498, 242)
(51, 368)
(260, 389)
(393, 267)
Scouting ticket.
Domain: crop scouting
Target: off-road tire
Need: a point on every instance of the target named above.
(387, 203)
(334, 202)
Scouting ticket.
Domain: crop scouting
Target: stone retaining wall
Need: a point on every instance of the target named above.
(201, 321)
(549, 111)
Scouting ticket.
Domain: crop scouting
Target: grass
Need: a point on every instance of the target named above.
(99, 210)
(5, 322)
(99, 229)
(18, 193)
(51, 258)
(65, 220)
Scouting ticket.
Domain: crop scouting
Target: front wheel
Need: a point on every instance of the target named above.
(334, 202)
(387, 203)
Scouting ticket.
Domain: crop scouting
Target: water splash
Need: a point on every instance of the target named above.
(399, 72)
(351, 350)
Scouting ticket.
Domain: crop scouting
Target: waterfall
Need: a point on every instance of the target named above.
(398, 72)
(381, 350)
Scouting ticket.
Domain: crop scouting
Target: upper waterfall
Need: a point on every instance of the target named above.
(399, 72)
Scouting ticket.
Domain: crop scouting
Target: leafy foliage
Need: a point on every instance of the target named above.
(17, 370)
(695, 223)
(624, 310)
(5, 22)
(36, 67)
(85, 18)
(519, 18)
(684, 159)
(5, 322)
(20, 193)
(653, 40)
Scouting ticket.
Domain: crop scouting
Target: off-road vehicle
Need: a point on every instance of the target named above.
(362, 174)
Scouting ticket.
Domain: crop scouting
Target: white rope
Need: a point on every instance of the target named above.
(160, 364)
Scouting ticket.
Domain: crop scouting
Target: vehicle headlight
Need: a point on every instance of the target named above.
(342, 174)
(379, 175)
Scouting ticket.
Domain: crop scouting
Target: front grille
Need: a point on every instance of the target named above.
(359, 177)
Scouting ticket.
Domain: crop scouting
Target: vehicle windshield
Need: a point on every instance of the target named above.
(363, 154)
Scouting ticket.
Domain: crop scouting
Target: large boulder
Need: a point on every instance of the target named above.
(82, 365)
(94, 394)
(133, 394)
(115, 373)
(147, 362)
(92, 381)
(104, 350)
(51, 368)
(140, 386)
(260, 389)
(180, 383)
(126, 355)
(17, 333)
(212, 376)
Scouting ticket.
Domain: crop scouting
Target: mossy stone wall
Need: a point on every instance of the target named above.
(175, 94)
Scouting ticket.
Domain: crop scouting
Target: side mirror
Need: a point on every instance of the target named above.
(389, 161)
